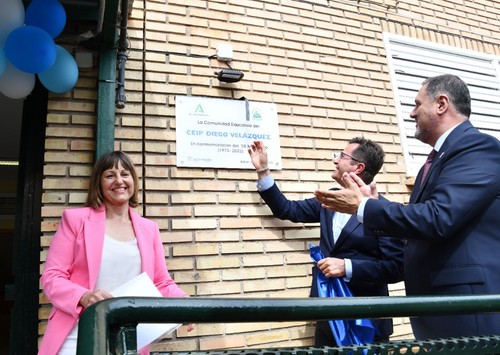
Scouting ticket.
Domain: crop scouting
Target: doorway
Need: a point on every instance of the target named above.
(10, 135)
(22, 139)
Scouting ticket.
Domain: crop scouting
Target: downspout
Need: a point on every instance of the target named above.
(107, 85)
(121, 98)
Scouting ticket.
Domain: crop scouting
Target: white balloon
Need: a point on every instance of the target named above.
(15, 83)
(11, 17)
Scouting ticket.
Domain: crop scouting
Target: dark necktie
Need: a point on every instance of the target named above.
(427, 165)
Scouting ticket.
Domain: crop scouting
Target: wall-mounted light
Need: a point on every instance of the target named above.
(229, 75)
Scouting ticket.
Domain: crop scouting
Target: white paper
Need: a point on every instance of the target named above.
(142, 286)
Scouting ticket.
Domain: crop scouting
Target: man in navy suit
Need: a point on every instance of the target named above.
(452, 223)
(366, 263)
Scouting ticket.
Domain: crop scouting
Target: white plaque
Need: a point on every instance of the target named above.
(216, 133)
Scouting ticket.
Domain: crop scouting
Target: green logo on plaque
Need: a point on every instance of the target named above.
(199, 109)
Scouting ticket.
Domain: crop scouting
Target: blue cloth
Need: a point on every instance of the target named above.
(345, 332)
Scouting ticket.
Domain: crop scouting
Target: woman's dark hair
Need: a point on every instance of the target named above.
(369, 153)
(108, 161)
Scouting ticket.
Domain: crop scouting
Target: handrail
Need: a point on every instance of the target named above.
(116, 318)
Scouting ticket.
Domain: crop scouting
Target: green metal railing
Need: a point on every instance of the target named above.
(109, 327)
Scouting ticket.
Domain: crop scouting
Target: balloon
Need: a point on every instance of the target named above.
(63, 75)
(3, 61)
(16, 84)
(30, 49)
(49, 15)
(11, 16)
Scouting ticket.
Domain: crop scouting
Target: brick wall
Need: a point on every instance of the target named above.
(322, 63)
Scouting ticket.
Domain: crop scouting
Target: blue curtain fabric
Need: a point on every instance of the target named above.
(345, 332)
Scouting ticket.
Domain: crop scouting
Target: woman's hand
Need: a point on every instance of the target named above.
(91, 297)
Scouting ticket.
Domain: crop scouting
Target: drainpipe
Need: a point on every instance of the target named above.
(107, 85)
(121, 98)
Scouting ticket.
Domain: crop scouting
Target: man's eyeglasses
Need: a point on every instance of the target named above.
(342, 155)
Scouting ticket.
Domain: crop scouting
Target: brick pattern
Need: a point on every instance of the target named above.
(322, 62)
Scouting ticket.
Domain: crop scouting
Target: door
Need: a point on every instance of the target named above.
(22, 140)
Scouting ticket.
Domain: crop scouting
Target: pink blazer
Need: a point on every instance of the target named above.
(73, 263)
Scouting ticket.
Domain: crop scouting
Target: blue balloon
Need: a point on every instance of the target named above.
(3, 61)
(30, 49)
(49, 15)
(63, 75)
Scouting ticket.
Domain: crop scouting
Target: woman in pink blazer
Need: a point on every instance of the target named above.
(98, 248)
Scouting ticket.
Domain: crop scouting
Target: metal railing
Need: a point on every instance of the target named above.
(109, 327)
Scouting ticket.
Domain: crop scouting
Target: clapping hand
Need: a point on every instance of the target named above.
(347, 200)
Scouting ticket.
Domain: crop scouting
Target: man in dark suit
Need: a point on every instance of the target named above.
(366, 263)
(452, 223)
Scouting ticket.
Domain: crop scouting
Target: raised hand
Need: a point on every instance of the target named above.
(258, 155)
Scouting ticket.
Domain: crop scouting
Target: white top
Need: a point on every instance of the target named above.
(121, 262)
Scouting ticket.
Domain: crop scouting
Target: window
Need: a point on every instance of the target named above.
(412, 61)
